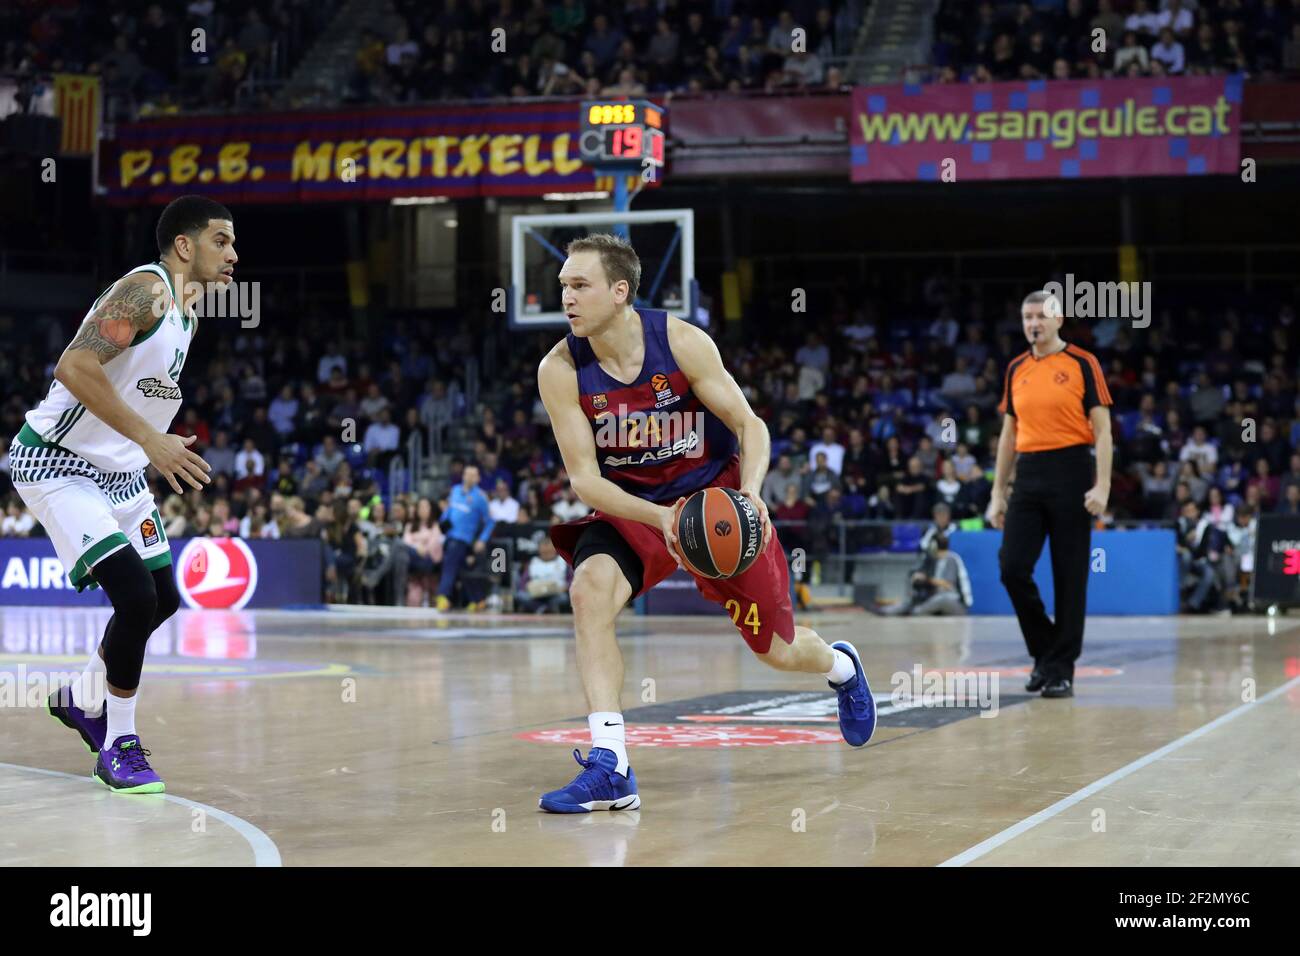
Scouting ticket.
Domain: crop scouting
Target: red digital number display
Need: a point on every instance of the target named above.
(624, 142)
(1292, 563)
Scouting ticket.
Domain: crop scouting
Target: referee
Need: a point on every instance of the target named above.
(1056, 407)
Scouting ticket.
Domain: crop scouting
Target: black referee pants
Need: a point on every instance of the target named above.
(1047, 502)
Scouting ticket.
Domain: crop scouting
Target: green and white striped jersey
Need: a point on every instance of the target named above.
(146, 375)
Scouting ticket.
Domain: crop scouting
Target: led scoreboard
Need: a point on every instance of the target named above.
(621, 134)
(1276, 578)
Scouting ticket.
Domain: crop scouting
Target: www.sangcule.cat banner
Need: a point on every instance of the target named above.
(1047, 129)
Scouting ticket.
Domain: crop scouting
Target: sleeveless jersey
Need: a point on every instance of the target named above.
(654, 438)
(145, 375)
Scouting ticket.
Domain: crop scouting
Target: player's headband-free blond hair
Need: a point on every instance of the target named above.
(1051, 304)
(617, 258)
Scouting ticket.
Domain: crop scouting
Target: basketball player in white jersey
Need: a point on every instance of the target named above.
(79, 464)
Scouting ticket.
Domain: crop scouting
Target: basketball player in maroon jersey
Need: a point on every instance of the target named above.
(602, 385)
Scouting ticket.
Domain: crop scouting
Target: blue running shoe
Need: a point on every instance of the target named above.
(857, 706)
(598, 787)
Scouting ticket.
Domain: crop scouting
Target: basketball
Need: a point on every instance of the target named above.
(719, 533)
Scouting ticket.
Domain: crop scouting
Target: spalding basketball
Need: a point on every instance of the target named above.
(719, 533)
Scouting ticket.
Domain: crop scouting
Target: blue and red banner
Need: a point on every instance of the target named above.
(211, 573)
(1047, 130)
(512, 149)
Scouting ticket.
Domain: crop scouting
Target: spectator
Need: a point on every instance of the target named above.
(220, 456)
(942, 523)
(1290, 501)
(1267, 485)
(381, 439)
(18, 521)
(503, 508)
(329, 457)
(1200, 450)
(401, 46)
(568, 507)
(947, 488)
(1143, 21)
(792, 512)
(779, 479)
(964, 465)
(821, 480)
(1169, 52)
(250, 466)
(1131, 53)
(831, 449)
(663, 49)
(545, 588)
(470, 527)
(939, 586)
(958, 384)
(283, 412)
(424, 541)
(913, 492)
(374, 402)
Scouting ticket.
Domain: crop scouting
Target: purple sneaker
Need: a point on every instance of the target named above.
(92, 729)
(123, 767)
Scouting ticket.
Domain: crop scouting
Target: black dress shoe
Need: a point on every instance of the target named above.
(1036, 681)
(1061, 687)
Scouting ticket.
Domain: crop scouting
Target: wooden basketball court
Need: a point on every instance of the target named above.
(357, 737)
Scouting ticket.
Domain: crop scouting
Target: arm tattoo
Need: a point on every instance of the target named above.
(110, 329)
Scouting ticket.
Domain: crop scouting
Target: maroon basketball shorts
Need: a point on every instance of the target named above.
(758, 601)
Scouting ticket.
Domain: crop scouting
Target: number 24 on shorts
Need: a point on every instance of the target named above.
(751, 619)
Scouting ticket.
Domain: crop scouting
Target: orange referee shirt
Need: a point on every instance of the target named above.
(1050, 398)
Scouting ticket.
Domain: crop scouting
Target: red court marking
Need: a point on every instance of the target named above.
(682, 735)
(1023, 671)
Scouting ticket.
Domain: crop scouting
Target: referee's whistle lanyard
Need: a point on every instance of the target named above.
(1060, 348)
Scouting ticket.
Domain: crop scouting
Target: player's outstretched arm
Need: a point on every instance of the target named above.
(698, 358)
(108, 332)
(557, 380)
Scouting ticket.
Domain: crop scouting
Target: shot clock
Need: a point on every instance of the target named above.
(621, 134)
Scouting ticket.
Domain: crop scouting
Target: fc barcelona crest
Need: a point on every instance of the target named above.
(599, 401)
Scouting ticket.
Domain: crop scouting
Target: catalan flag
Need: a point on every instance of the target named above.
(77, 103)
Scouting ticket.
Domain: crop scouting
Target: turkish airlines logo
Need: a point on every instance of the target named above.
(217, 573)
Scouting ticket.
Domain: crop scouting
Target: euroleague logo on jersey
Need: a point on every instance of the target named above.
(217, 573)
(663, 389)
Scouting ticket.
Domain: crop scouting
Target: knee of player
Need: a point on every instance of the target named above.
(140, 605)
(594, 588)
(779, 655)
(168, 599)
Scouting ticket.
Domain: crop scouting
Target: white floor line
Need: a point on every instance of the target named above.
(998, 839)
(265, 852)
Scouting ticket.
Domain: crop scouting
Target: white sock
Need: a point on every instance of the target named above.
(842, 669)
(121, 718)
(89, 690)
(607, 732)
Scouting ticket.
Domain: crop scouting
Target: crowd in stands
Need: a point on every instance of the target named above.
(875, 416)
(455, 49)
(605, 48)
(1059, 39)
(158, 59)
